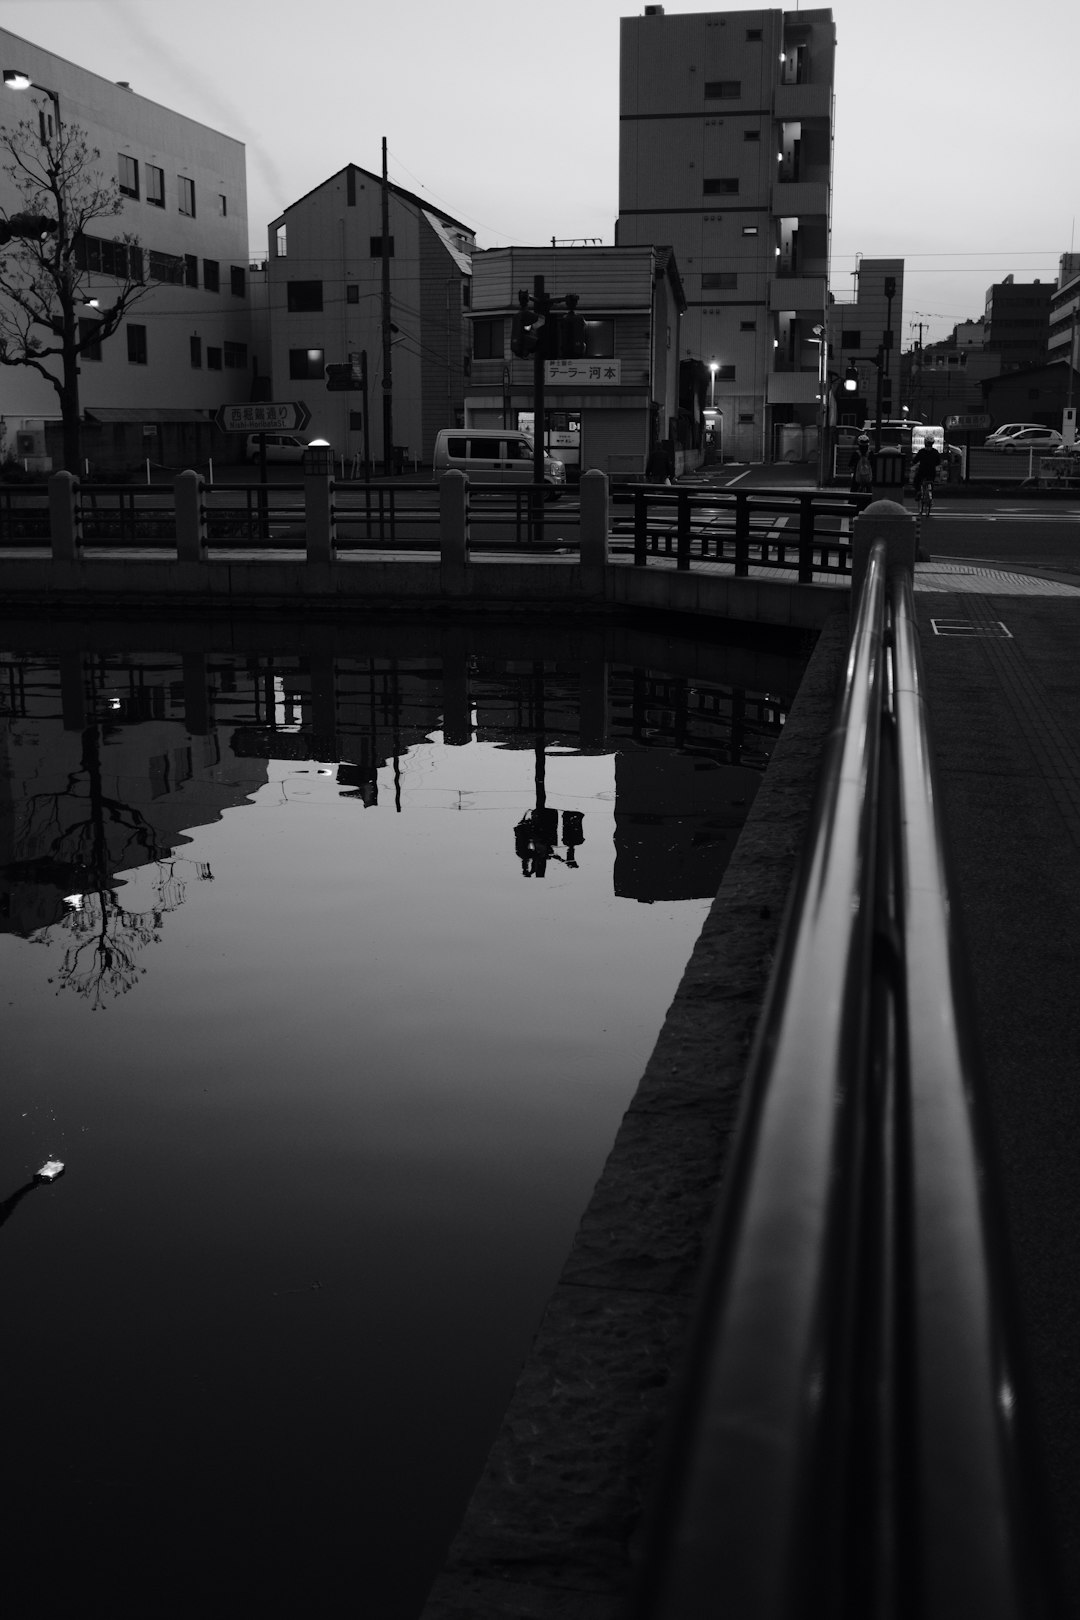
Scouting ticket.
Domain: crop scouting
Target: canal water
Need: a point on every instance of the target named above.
(332, 956)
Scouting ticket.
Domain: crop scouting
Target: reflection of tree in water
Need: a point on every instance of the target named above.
(105, 937)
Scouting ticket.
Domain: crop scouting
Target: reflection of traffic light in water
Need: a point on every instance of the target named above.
(573, 833)
(537, 833)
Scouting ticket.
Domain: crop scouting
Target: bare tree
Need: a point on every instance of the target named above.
(46, 264)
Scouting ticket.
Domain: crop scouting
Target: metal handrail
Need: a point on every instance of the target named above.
(852, 1438)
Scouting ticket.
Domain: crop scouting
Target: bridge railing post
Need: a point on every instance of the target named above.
(453, 531)
(319, 523)
(881, 520)
(65, 516)
(595, 521)
(188, 490)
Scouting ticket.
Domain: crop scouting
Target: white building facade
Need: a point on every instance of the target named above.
(725, 152)
(150, 392)
(326, 310)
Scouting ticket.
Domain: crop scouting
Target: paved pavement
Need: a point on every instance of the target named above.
(999, 616)
(1003, 685)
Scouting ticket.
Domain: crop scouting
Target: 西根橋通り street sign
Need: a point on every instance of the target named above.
(282, 416)
(975, 423)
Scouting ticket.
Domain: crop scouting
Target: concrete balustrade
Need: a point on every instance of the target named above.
(578, 572)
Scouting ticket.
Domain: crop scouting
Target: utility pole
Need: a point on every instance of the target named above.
(387, 378)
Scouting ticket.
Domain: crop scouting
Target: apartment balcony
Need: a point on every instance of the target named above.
(802, 294)
(798, 199)
(803, 101)
(791, 387)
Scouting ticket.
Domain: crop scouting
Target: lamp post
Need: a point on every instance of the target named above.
(713, 369)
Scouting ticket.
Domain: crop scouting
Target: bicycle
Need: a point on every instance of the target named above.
(926, 497)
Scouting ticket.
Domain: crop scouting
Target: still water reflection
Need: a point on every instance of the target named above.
(329, 971)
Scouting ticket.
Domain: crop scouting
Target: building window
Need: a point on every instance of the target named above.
(166, 267)
(195, 344)
(600, 339)
(376, 247)
(89, 344)
(155, 186)
(119, 259)
(851, 340)
(753, 36)
(222, 204)
(720, 188)
(725, 373)
(281, 243)
(749, 230)
(723, 89)
(488, 338)
(751, 135)
(746, 418)
(303, 297)
(719, 281)
(211, 275)
(186, 193)
(128, 175)
(305, 364)
(136, 342)
(352, 292)
(191, 270)
(748, 326)
(238, 280)
(213, 359)
(466, 295)
(235, 356)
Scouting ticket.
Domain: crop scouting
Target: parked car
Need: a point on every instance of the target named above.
(279, 447)
(1030, 438)
(1008, 430)
(493, 456)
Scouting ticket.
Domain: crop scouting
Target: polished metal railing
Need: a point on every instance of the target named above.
(853, 1439)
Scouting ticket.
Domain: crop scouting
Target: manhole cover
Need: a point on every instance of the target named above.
(968, 627)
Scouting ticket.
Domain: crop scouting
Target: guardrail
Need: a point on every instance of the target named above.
(806, 530)
(853, 1439)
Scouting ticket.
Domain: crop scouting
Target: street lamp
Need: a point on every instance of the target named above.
(16, 79)
(713, 369)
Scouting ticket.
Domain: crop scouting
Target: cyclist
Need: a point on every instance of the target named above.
(861, 466)
(924, 466)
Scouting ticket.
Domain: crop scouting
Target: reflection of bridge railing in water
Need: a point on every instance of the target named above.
(854, 1437)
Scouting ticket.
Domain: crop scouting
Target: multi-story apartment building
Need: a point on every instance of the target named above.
(149, 392)
(1018, 321)
(1063, 340)
(725, 152)
(864, 335)
(607, 408)
(326, 309)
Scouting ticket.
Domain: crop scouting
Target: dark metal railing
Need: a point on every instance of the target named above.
(807, 530)
(24, 514)
(853, 1439)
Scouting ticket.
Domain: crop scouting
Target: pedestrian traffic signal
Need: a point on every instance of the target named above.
(526, 328)
(34, 226)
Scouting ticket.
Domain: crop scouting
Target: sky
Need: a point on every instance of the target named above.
(956, 141)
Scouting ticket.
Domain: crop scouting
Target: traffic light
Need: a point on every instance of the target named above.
(34, 226)
(526, 329)
(851, 378)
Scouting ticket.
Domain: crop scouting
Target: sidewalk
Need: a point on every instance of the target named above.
(1003, 688)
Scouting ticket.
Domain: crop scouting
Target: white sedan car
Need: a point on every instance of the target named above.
(1028, 438)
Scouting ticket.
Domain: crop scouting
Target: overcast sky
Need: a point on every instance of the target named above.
(957, 142)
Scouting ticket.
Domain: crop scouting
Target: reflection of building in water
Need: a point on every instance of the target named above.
(109, 760)
(100, 773)
(677, 818)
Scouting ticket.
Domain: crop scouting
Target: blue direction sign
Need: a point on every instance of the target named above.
(283, 416)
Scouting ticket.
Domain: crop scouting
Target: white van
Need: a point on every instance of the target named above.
(492, 456)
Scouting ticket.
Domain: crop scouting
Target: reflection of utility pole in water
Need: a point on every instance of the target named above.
(537, 833)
